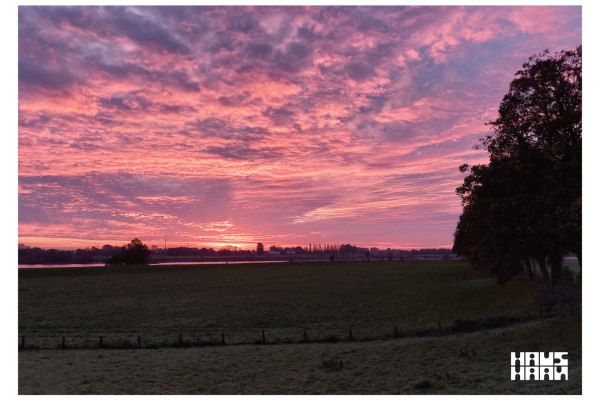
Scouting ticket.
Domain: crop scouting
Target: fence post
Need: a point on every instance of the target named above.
(264, 342)
(139, 342)
(222, 338)
(100, 341)
(63, 343)
(180, 341)
(350, 333)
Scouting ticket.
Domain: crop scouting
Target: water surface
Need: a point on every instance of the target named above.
(165, 263)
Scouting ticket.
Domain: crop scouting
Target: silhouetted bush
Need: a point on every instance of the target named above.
(134, 253)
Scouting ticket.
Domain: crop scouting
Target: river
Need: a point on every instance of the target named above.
(166, 263)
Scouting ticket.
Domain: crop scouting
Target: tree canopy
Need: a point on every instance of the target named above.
(526, 203)
(133, 253)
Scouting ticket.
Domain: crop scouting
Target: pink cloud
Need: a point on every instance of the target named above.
(233, 125)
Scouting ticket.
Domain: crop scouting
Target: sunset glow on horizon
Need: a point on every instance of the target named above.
(214, 126)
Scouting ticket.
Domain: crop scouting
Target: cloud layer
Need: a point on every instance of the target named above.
(286, 125)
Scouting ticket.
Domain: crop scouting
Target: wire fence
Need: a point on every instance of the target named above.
(458, 327)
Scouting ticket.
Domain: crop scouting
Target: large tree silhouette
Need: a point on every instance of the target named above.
(527, 201)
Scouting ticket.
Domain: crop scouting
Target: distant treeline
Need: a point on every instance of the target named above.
(318, 249)
(203, 252)
(36, 255)
(351, 249)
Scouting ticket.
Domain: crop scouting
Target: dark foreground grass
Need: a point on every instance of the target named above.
(475, 363)
(201, 302)
(388, 300)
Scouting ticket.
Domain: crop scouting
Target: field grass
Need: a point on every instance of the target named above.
(395, 366)
(159, 302)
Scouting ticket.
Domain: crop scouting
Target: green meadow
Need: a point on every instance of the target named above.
(240, 301)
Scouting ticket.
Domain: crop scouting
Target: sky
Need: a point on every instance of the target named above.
(213, 126)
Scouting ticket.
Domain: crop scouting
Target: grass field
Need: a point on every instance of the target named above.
(283, 299)
(242, 300)
(397, 366)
